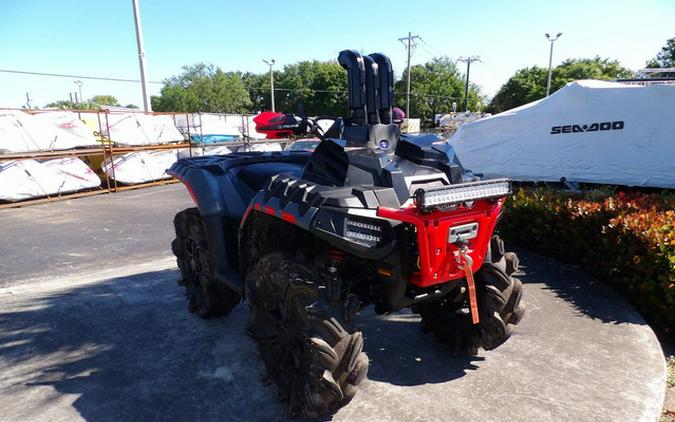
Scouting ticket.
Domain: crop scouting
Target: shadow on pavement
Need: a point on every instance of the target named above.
(587, 295)
(127, 349)
(401, 354)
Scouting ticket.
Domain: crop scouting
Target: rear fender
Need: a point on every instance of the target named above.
(209, 191)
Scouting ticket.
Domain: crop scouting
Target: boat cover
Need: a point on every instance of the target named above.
(589, 131)
(205, 150)
(141, 166)
(54, 130)
(141, 129)
(25, 179)
(203, 125)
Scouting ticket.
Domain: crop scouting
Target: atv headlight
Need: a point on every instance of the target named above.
(446, 197)
(363, 232)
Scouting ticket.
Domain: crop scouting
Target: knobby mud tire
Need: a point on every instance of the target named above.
(499, 307)
(312, 354)
(206, 296)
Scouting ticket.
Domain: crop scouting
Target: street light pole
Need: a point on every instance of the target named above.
(79, 88)
(270, 63)
(550, 61)
(468, 62)
(141, 56)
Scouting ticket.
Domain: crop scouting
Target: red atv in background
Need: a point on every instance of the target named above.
(278, 125)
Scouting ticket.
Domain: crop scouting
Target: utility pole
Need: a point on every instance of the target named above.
(28, 100)
(270, 63)
(550, 60)
(141, 56)
(79, 87)
(468, 61)
(409, 46)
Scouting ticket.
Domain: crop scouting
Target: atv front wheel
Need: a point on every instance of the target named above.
(310, 351)
(206, 296)
(499, 306)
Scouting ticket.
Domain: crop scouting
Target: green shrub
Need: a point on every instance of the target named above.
(625, 239)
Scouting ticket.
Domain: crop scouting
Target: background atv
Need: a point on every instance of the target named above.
(370, 217)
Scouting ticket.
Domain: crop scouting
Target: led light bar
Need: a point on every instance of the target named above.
(446, 197)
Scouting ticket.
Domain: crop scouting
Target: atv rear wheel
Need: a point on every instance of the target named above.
(310, 351)
(499, 306)
(206, 296)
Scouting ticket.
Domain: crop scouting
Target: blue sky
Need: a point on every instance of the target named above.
(96, 37)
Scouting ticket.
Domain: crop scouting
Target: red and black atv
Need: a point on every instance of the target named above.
(370, 217)
(279, 125)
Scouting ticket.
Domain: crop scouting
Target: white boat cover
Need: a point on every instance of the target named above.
(148, 166)
(199, 151)
(25, 179)
(141, 129)
(210, 124)
(217, 124)
(589, 131)
(25, 132)
(455, 120)
(411, 126)
(141, 166)
(265, 147)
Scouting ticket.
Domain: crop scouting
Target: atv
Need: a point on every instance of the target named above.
(308, 240)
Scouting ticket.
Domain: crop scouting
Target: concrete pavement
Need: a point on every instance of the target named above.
(88, 233)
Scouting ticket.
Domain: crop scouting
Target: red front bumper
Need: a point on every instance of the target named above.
(438, 259)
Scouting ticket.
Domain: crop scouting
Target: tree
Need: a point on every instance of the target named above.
(664, 58)
(529, 84)
(104, 100)
(258, 86)
(203, 87)
(93, 103)
(595, 68)
(312, 88)
(434, 86)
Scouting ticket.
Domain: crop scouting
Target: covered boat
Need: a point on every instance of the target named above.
(141, 129)
(141, 166)
(26, 179)
(48, 131)
(589, 131)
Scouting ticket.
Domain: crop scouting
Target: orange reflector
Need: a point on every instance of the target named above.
(384, 272)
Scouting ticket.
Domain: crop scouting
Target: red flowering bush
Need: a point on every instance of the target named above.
(624, 239)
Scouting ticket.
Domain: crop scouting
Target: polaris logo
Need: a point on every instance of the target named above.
(593, 127)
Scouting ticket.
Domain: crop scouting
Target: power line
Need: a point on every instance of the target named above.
(314, 91)
(101, 78)
(428, 52)
(434, 50)
(59, 75)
